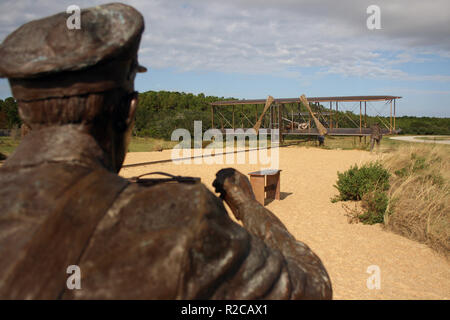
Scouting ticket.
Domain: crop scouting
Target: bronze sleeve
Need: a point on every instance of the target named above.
(261, 261)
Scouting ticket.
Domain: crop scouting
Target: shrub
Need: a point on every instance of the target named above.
(354, 183)
(375, 203)
(368, 183)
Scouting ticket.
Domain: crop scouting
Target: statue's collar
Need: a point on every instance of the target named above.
(66, 144)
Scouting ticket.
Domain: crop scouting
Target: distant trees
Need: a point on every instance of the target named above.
(9, 114)
(160, 113)
(424, 125)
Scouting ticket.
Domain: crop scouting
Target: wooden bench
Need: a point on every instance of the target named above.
(265, 181)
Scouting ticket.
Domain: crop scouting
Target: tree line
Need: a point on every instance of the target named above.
(9, 114)
(159, 113)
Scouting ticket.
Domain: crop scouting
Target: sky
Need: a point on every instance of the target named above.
(249, 49)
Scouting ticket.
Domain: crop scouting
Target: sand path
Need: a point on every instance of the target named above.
(409, 270)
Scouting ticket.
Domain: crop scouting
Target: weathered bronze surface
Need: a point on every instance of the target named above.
(62, 203)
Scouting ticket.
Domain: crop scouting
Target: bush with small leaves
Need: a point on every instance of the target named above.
(354, 183)
(375, 204)
(368, 183)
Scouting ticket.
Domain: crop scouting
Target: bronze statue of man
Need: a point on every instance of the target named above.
(375, 136)
(63, 204)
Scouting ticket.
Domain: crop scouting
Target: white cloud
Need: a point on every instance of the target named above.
(276, 37)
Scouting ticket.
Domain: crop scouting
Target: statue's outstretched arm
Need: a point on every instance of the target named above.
(301, 262)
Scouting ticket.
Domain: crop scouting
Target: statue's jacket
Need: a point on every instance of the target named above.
(61, 207)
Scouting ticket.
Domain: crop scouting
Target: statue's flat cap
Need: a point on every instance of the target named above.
(47, 46)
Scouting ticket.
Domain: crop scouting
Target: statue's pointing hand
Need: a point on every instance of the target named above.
(234, 188)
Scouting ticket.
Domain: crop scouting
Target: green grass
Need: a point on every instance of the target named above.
(8, 145)
(138, 144)
(389, 145)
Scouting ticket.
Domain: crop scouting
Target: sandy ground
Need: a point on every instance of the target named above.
(409, 270)
(417, 139)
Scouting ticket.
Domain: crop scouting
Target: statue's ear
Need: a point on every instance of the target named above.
(124, 117)
(132, 108)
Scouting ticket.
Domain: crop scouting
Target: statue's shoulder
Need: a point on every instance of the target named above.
(148, 236)
(176, 193)
(175, 202)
